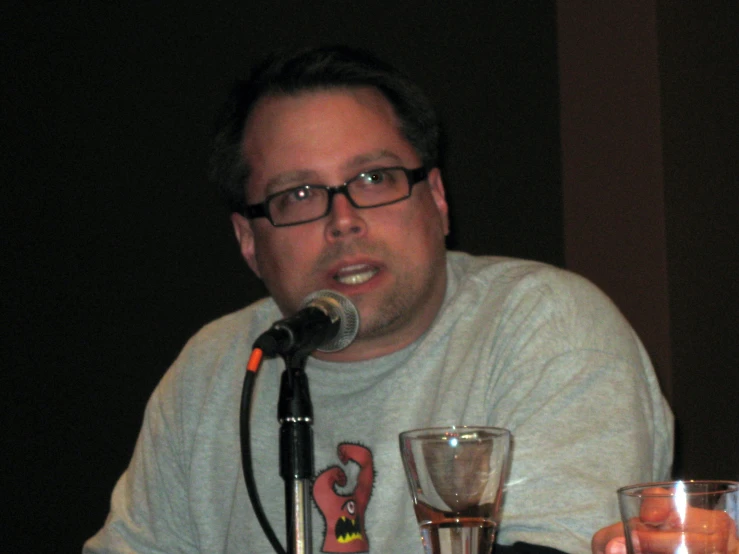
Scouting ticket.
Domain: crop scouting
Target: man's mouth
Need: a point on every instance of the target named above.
(355, 274)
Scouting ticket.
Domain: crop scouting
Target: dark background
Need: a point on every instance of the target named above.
(116, 249)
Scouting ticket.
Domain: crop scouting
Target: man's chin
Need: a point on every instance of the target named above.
(377, 325)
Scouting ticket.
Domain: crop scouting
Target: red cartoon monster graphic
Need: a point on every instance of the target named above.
(344, 513)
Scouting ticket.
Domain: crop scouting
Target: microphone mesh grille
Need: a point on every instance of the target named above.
(337, 307)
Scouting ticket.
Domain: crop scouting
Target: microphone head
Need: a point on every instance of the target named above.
(339, 309)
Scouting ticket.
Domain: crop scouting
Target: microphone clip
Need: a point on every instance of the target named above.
(298, 334)
(327, 321)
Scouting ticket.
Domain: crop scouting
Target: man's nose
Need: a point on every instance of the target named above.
(344, 220)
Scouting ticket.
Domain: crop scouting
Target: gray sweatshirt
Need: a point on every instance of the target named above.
(516, 344)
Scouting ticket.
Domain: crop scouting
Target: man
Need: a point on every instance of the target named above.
(329, 161)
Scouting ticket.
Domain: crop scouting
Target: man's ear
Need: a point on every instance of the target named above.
(245, 238)
(437, 191)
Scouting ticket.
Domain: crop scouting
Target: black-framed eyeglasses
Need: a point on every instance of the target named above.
(306, 203)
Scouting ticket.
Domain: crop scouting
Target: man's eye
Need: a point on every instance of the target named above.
(293, 196)
(374, 176)
(299, 194)
(377, 177)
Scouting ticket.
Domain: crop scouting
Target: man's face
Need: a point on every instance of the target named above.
(389, 260)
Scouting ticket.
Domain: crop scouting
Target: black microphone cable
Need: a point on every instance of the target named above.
(252, 367)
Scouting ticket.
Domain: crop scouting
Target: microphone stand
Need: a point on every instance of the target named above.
(328, 320)
(295, 415)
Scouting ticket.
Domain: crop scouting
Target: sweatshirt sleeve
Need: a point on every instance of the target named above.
(149, 507)
(580, 396)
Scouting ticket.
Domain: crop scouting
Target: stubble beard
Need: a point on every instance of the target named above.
(388, 315)
(414, 287)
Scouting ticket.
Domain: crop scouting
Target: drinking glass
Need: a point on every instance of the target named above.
(456, 477)
(681, 517)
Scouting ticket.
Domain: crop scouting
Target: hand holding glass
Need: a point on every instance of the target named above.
(456, 477)
(681, 517)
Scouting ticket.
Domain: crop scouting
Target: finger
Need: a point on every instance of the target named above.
(656, 505)
(616, 545)
(667, 542)
(706, 521)
(603, 536)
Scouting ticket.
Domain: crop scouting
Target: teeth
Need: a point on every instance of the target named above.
(353, 275)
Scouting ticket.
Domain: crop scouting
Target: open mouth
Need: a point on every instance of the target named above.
(348, 530)
(355, 274)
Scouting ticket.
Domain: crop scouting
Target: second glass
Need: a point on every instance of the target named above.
(681, 517)
(456, 477)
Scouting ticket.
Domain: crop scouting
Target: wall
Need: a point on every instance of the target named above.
(649, 141)
(699, 49)
(116, 247)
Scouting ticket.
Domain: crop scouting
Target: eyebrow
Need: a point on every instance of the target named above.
(372, 157)
(283, 180)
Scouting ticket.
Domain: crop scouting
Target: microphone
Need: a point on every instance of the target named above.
(327, 321)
